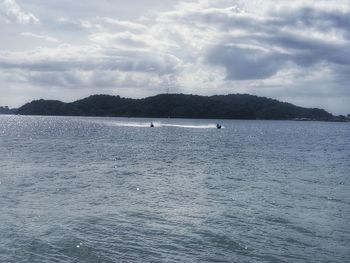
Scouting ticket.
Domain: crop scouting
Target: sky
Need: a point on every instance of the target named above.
(294, 51)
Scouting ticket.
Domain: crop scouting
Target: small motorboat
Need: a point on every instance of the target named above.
(151, 125)
(218, 126)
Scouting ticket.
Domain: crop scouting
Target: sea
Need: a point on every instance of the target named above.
(91, 190)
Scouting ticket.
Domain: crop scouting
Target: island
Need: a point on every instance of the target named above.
(7, 110)
(233, 106)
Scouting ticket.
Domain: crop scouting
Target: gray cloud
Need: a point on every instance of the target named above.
(323, 20)
(308, 51)
(67, 58)
(245, 63)
(302, 36)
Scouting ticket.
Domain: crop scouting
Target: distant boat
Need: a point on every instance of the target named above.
(152, 125)
(218, 126)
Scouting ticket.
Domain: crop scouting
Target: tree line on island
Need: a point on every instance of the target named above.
(7, 110)
(234, 106)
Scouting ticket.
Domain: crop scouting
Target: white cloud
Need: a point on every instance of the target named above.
(124, 39)
(11, 12)
(116, 24)
(43, 37)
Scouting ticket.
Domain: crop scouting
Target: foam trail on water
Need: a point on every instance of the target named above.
(132, 124)
(158, 124)
(208, 126)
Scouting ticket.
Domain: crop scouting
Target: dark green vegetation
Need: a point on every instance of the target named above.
(235, 106)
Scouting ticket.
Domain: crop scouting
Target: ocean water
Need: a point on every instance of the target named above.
(114, 190)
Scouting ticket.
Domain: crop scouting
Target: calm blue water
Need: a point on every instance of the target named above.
(115, 190)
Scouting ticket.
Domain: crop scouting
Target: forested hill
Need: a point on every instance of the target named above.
(235, 106)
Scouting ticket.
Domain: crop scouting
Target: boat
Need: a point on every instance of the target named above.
(152, 125)
(218, 126)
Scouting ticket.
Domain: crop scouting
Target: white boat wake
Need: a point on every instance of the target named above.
(159, 124)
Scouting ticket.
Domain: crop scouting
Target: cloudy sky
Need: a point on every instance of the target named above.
(295, 51)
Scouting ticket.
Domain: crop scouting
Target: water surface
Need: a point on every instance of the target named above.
(114, 190)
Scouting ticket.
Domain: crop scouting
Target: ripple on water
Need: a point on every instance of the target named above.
(88, 190)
